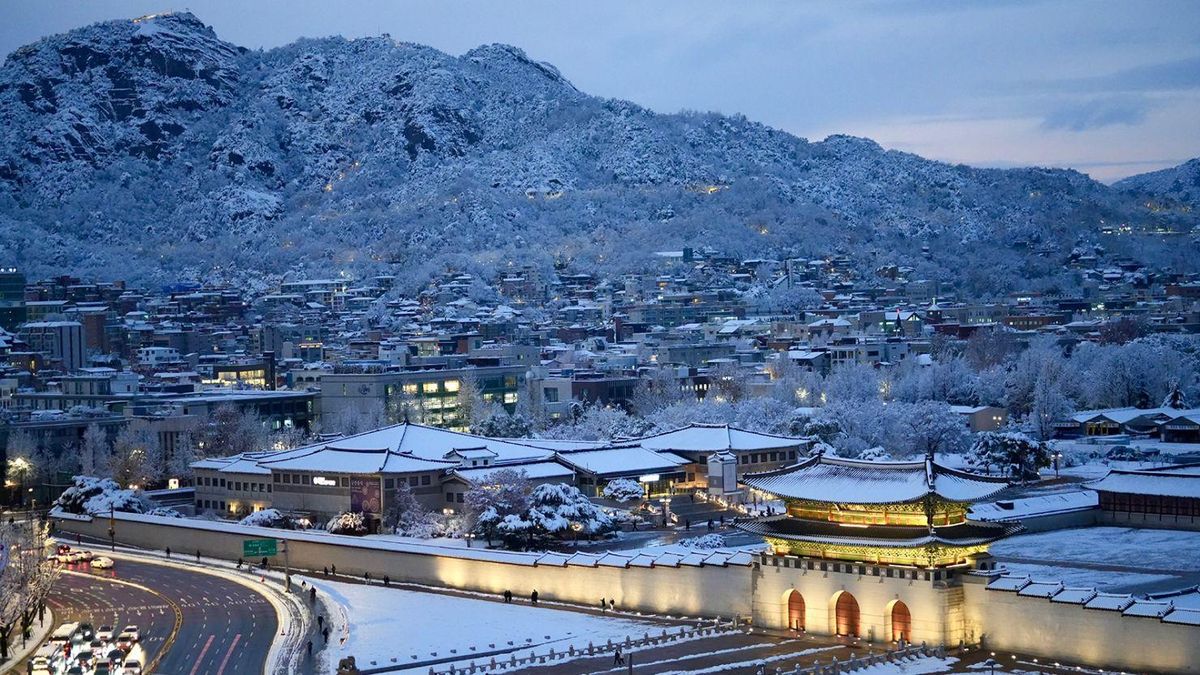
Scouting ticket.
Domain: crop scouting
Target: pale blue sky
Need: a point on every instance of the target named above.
(1110, 88)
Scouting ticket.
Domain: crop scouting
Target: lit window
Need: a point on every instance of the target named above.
(451, 385)
(430, 387)
(510, 397)
(410, 388)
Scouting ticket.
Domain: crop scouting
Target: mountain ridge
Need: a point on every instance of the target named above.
(373, 155)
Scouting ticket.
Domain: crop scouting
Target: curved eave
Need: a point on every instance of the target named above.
(885, 536)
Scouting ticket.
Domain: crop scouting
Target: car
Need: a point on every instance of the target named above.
(116, 656)
(102, 563)
(63, 558)
(87, 632)
(132, 667)
(125, 641)
(105, 634)
(86, 556)
(102, 668)
(132, 629)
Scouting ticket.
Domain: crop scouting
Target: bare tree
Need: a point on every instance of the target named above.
(26, 575)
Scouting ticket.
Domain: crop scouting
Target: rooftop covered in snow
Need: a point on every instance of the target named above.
(849, 481)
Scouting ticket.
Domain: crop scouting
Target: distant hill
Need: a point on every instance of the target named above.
(1178, 185)
(152, 149)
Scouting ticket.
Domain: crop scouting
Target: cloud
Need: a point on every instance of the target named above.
(1175, 75)
(1098, 113)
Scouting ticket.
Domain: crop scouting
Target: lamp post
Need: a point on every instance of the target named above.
(1057, 457)
(112, 529)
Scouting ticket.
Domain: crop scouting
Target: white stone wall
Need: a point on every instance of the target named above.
(929, 602)
(1008, 622)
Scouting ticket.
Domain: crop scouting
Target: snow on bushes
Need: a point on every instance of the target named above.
(269, 518)
(347, 523)
(706, 542)
(92, 495)
(622, 490)
(164, 512)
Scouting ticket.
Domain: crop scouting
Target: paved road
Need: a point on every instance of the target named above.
(190, 622)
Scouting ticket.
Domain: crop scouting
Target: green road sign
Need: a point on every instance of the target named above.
(257, 548)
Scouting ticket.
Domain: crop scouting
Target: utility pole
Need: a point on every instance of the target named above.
(287, 567)
(112, 529)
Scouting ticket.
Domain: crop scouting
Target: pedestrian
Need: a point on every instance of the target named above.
(168, 551)
(533, 597)
(312, 594)
(320, 621)
(687, 524)
(78, 540)
(197, 555)
(367, 577)
(265, 562)
(325, 571)
(603, 605)
(710, 525)
(612, 604)
(310, 647)
(387, 580)
(333, 570)
(693, 496)
(325, 634)
(240, 563)
(722, 520)
(617, 656)
(507, 595)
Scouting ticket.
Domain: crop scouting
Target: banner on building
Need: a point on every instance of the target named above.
(366, 496)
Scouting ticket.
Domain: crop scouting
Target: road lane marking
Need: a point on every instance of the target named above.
(201, 655)
(153, 665)
(225, 661)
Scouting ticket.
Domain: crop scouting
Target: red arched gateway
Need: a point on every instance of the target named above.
(846, 613)
(795, 620)
(901, 622)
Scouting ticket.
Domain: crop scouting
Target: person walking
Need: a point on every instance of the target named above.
(168, 551)
(312, 594)
(310, 647)
(612, 605)
(507, 595)
(333, 570)
(618, 660)
(687, 524)
(197, 555)
(533, 597)
(387, 580)
(603, 605)
(320, 621)
(367, 577)
(325, 571)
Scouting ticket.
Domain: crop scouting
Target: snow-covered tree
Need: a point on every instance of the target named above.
(407, 517)
(97, 496)
(853, 382)
(25, 580)
(504, 493)
(1011, 452)
(705, 542)
(231, 430)
(95, 453)
(558, 510)
(932, 427)
(622, 490)
(500, 424)
(347, 522)
(595, 423)
(270, 518)
(136, 457)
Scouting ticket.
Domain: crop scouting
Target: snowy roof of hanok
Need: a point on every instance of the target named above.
(429, 443)
(851, 481)
(642, 560)
(714, 437)
(1074, 596)
(1186, 616)
(611, 559)
(555, 559)
(694, 559)
(1126, 415)
(1176, 481)
(1149, 608)
(532, 470)
(360, 461)
(581, 559)
(247, 463)
(622, 461)
(481, 452)
(1110, 601)
(1009, 583)
(1041, 505)
(1041, 589)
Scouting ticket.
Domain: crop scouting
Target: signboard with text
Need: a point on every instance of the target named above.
(258, 548)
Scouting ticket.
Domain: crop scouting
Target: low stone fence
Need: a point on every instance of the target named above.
(494, 664)
(834, 667)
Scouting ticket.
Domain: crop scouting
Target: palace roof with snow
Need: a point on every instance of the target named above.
(848, 481)
(1174, 481)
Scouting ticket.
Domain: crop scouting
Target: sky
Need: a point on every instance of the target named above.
(1109, 88)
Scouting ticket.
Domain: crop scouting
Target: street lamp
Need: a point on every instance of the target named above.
(1057, 456)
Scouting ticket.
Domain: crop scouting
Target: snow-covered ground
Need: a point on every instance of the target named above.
(1127, 547)
(1085, 577)
(411, 627)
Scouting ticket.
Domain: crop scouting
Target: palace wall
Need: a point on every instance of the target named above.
(945, 606)
(696, 591)
(1068, 632)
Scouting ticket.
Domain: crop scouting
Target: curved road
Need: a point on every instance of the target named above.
(190, 622)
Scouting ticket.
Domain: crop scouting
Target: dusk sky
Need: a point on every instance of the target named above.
(1109, 88)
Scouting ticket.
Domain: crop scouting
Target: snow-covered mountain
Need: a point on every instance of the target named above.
(1176, 186)
(154, 136)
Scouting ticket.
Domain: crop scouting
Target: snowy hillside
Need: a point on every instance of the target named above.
(1178, 185)
(370, 155)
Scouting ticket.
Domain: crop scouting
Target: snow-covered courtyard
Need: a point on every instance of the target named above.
(415, 627)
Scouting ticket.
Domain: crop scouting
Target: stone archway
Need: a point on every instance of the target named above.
(846, 615)
(795, 610)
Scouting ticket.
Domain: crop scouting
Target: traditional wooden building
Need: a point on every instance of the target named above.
(1167, 497)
